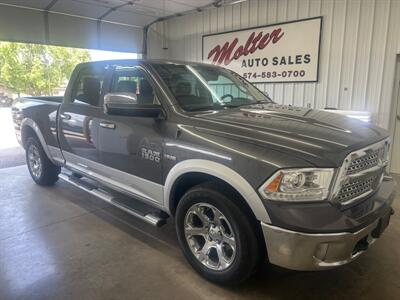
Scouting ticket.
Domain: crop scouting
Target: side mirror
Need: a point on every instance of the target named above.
(125, 104)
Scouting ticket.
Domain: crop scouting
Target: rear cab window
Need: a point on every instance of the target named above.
(88, 85)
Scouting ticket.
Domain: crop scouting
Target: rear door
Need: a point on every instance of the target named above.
(79, 118)
(130, 148)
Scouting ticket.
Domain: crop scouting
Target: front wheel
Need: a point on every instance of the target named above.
(216, 235)
(42, 170)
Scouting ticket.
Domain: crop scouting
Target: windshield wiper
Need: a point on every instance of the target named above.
(203, 108)
(225, 105)
(239, 105)
(229, 105)
(216, 107)
(264, 102)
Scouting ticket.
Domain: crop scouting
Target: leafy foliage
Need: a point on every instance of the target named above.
(37, 69)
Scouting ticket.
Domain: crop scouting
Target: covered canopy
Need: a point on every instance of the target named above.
(115, 25)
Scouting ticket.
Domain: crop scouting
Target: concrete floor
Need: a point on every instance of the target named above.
(61, 243)
(11, 157)
(11, 154)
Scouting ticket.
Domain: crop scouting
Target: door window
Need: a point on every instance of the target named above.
(88, 86)
(134, 81)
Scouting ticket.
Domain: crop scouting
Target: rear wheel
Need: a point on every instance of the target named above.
(42, 170)
(216, 236)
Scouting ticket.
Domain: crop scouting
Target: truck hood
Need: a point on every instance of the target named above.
(319, 137)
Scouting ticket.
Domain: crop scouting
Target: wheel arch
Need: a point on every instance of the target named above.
(27, 132)
(196, 171)
(29, 128)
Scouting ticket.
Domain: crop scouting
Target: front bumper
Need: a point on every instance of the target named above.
(302, 251)
(307, 252)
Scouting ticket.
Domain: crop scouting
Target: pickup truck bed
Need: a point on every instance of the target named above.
(25, 110)
(57, 99)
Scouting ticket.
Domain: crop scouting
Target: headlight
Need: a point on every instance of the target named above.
(298, 185)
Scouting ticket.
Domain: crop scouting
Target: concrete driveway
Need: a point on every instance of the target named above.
(61, 243)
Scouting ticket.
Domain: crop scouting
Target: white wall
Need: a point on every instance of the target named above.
(360, 40)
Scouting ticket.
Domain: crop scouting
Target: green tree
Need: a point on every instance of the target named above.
(37, 69)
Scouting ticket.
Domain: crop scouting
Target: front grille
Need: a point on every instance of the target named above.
(356, 188)
(366, 161)
(360, 175)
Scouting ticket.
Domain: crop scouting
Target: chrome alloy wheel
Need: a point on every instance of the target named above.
(34, 161)
(210, 236)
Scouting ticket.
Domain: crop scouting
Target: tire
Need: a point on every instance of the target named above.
(42, 170)
(248, 252)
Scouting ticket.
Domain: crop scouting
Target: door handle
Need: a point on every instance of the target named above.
(107, 125)
(65, 116)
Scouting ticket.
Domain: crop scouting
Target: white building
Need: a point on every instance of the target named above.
(359, 51)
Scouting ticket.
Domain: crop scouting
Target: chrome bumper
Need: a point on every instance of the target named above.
(306, 252)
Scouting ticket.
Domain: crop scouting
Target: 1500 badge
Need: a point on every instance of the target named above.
(151, 155)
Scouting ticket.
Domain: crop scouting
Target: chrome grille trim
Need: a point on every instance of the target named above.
(361, 173)
(366, 161)
(353, 190)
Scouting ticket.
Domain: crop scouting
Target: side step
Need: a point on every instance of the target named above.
(131, 206)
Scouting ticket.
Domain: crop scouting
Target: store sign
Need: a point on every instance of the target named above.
(286, 52)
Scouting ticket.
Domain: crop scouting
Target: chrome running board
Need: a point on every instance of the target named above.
(129, 205)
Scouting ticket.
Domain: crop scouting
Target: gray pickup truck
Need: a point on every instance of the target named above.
(245, 179)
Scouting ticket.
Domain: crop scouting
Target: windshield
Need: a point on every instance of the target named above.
(200, 87)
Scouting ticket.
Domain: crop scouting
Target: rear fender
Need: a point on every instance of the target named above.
(32, 124)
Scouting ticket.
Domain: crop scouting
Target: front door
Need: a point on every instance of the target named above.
(130, 148)
(79, 119)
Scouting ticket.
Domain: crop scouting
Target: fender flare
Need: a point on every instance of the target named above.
(32, 124)
(222, 172)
